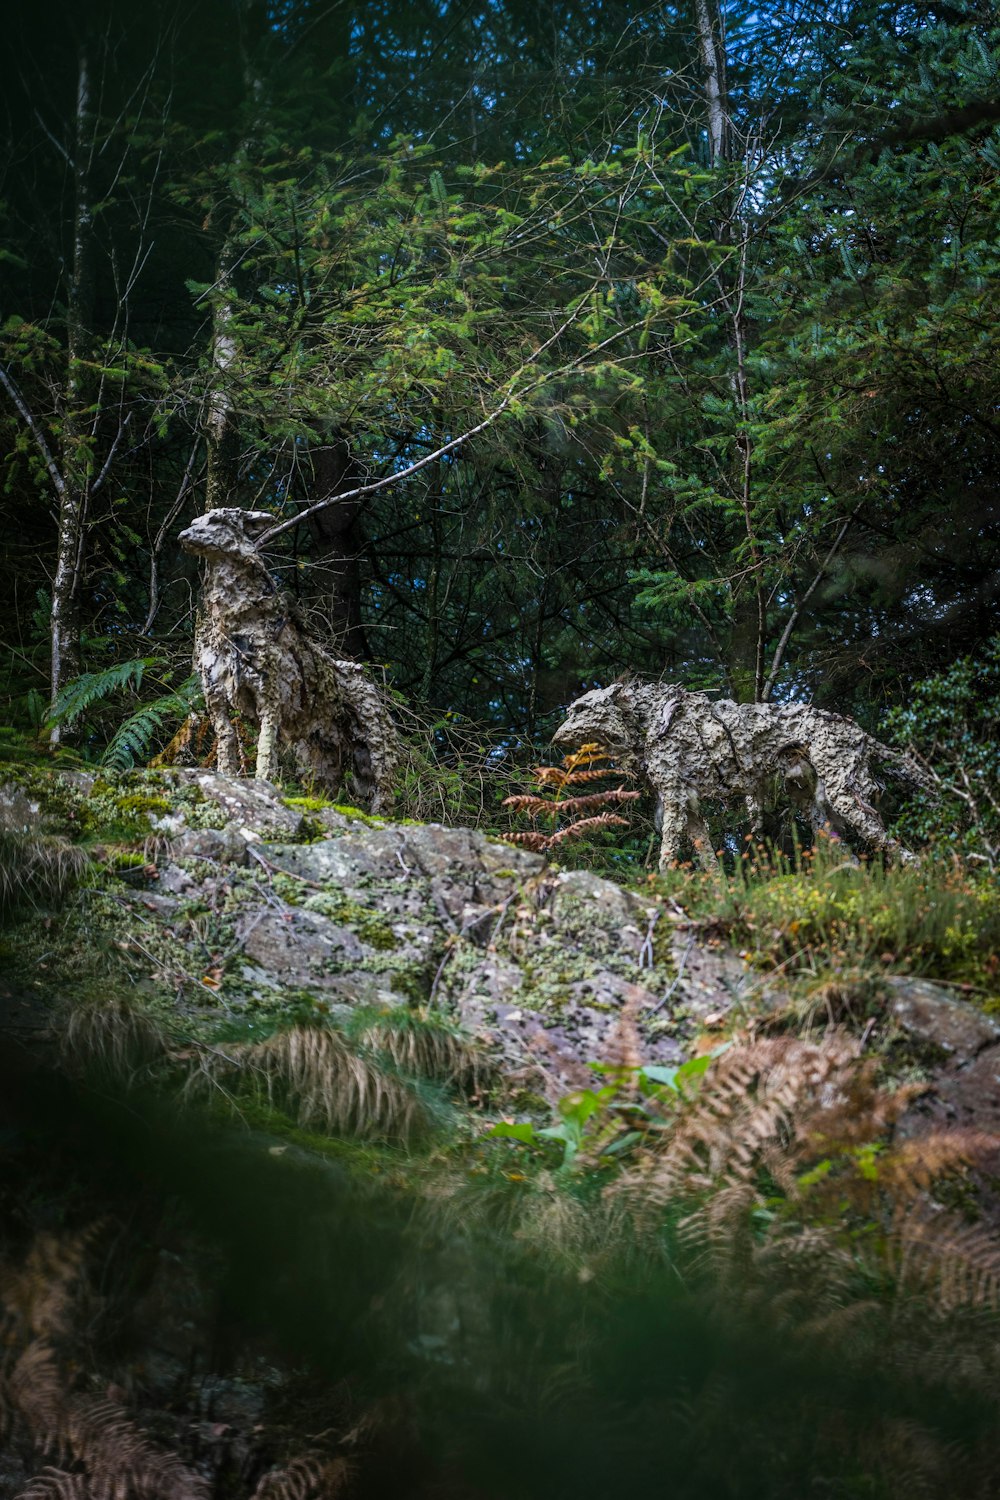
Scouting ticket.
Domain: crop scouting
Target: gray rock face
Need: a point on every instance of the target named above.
(18, 813)
(251, 808)
(930, 1013)
(540, 962)
(222, 845)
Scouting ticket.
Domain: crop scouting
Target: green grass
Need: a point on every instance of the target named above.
(820, 911)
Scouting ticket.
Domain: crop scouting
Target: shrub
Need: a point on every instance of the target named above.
(950, 725)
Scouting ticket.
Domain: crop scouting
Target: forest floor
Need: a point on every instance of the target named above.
(346, 1153)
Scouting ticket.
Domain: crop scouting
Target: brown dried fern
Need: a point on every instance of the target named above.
(809, 1119)
(56, 1484)
(38, 1297)
(308, 1476)
(578, 769)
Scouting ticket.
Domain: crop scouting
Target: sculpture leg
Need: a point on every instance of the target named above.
(755, 812)
(855, 812)
(701, 838)
(227, 755)
(267, 749)
(673, 824)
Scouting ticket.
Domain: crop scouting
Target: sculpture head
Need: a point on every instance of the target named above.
(600, 716)
(227, 532)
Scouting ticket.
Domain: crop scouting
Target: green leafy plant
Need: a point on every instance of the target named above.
(133, 740)
(949, 724)
(608, 1120)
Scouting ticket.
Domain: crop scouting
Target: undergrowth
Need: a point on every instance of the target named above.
(820, 912)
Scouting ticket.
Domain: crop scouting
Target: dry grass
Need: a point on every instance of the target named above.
(324, 1082)
(423, 1046)
(37, 869)
(111, 1036)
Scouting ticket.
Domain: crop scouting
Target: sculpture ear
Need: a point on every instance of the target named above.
(667, 713)
(256, 522)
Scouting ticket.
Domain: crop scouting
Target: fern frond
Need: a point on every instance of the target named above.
(958, 1262)
(90, 687)
(536, 842)
(132, 740)
(309, 1476)
(536, 806)
(56, 1484)
(121, 1459)
(38, 1297)
(585, 825)
(916, 1165)
(559, 777)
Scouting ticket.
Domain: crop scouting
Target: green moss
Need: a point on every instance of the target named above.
(307, 804)
(121, 861)
(369, 925)
(355, 815)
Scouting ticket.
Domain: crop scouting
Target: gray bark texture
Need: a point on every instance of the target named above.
(687, 746)
(255, 658)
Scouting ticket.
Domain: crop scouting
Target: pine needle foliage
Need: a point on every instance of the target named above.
(587, 812)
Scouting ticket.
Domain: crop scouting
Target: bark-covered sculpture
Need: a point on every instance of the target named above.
(254, 657)
(687, 746)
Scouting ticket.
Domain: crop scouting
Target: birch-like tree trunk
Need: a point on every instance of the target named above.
(711, 49)
(72, 491)
(221, 434)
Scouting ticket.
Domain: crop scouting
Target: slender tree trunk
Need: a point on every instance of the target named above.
(335, 577)
(711, 49)
(749, 636)
(76, 452)
(221, 435)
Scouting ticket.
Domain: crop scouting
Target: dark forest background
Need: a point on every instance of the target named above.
(712, 286)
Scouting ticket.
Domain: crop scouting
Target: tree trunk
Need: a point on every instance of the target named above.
(64, 625)
(711, 49)
(335, 577)
(221, 435)
(749, 635)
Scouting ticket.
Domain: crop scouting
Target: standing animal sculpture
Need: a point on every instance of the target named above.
(254, 657)
(687, 746)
